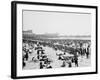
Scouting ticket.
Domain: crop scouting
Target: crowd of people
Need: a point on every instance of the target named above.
(66, 51)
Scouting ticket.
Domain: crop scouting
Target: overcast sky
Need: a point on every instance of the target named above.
(54, 22)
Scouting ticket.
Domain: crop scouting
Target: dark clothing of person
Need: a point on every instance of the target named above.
(24, 64)
(41, 65)
(76, 61)
(37, 56)
(26, 56)
(70, 65)
(87, 53)
(72, 60)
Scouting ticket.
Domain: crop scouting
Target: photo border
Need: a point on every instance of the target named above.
(14, 38)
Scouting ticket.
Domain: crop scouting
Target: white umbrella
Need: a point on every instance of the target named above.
(70, 55)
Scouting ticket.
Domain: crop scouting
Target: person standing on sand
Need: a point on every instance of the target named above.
(76, 58)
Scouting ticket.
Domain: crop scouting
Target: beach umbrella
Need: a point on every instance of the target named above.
(70, 55)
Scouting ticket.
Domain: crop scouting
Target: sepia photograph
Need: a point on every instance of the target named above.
(53, 39)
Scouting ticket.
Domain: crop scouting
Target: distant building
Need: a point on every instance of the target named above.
(51, 34)
(27, 32)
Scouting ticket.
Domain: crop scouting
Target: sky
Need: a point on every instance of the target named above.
(41, 22)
